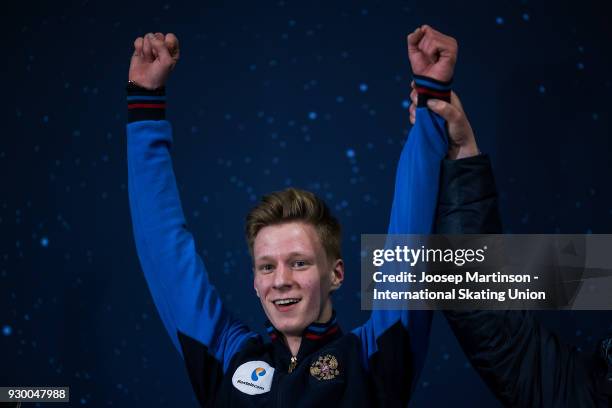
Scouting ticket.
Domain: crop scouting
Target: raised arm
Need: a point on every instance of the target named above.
(522, 362)
(190, 307)
(394, 342)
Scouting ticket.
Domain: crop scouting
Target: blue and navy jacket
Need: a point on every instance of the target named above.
(375, 364)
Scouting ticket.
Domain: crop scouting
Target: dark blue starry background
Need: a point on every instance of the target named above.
(269, 94)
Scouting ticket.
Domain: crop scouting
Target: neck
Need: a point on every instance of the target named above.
(293, 342)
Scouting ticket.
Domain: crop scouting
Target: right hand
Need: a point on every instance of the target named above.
(155, 55)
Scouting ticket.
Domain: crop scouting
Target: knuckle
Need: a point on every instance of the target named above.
(172, 38)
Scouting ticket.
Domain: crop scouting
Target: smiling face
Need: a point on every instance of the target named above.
(293, 276)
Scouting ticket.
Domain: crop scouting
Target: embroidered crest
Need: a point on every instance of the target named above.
(325, 368)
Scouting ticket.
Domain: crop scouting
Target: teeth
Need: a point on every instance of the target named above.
(286, 301)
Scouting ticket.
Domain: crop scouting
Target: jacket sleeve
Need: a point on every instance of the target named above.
(190, 307)
(394, 342)
(523, 363)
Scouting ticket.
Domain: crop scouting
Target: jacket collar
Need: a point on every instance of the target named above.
(314, 336)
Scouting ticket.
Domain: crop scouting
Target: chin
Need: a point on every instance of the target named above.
(290, 325)
(295, 322)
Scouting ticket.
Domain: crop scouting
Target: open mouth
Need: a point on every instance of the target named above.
(286, 304)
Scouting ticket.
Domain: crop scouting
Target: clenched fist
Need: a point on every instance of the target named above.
(155, 55)
(432, 54)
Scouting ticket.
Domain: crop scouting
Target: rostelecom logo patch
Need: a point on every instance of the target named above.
(258, 372)
(253, 377)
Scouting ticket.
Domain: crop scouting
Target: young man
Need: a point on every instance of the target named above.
(295, 245)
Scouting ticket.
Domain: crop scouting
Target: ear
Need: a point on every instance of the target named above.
(337, 274)
(255, 287)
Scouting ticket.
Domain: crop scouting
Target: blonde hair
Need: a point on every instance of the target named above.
(293, 204)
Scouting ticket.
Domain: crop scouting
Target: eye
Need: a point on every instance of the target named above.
(265, 268)
(299, 264)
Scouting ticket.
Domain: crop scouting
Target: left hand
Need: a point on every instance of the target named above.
(463, 142)
(432, 54)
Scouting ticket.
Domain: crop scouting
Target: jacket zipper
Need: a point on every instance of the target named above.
(292, 363)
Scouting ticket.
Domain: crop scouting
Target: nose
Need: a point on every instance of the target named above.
(283, 278)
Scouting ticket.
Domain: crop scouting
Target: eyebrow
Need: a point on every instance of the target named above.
(290, 255)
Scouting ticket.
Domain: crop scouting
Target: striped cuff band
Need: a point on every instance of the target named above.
(145, 104)
(429, 88)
